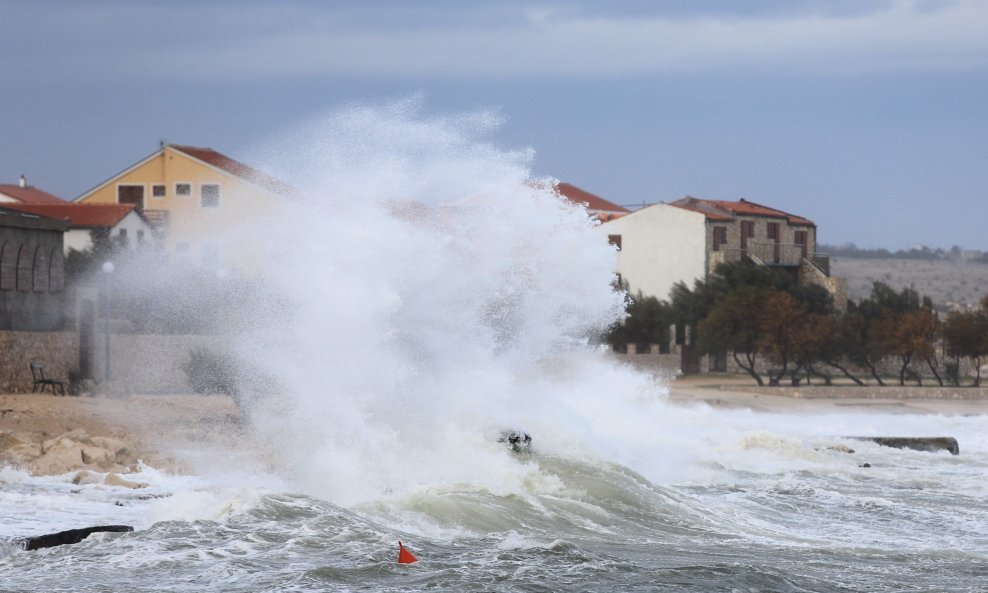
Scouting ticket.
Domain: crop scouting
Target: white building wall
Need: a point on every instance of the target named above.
(77, 239)
(133, 224)
(660, 246)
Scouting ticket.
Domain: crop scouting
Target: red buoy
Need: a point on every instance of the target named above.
(404, 556)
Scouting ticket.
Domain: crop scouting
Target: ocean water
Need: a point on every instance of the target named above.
(423, 294)
(764, 505)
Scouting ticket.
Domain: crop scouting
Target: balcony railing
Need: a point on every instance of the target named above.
(773, 254)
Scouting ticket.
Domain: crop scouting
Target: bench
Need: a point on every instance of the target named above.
(41, 383)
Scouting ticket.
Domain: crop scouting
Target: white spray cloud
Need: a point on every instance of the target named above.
(427, 283)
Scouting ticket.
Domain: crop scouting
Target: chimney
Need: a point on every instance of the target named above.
(23, 181)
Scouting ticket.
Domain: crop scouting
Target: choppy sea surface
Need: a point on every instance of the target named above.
(765, 505)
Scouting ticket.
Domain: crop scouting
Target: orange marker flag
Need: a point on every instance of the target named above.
(404, 556)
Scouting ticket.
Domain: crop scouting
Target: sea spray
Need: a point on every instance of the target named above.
(429, 285)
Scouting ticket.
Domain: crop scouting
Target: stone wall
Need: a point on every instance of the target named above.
(58, 352)
(144, 363)
(663, 365)
(139, 363)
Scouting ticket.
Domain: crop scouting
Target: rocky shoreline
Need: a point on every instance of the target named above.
(99, 438)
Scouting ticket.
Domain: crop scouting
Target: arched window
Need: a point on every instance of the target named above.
(8, 267)
(56, 272)
(40, 270)
(23, 269)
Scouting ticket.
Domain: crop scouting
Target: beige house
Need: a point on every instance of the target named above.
(658, 246)
(198, 200)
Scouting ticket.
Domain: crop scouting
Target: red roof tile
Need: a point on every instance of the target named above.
(28, 195)
(725, 211)
(233, 167)
(80, 216)
(593, 202)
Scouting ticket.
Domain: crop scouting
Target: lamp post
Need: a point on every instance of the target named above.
(107, 274)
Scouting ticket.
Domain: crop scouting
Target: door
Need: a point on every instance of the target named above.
(773, 234)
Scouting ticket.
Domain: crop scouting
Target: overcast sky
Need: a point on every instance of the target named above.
(868, 116)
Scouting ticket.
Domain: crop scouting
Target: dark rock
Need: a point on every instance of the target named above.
(72, 536)
(930, 444)
(519, 441)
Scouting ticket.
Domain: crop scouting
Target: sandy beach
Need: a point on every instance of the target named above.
(155, 429)
(742, 392)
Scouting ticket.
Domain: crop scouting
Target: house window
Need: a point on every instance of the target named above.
(157, 191)
(183, 189)
(747, 232)
(122, 234)
(140, 237)
(209, 195)
(131, 194)
(615, 240)
(720, 237)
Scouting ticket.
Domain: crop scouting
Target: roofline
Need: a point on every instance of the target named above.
(109, 180)
(35, 210)
(29, 220)
(734, 214)
(787, 215)
(176, 148)
(161, 151)
(634, 212)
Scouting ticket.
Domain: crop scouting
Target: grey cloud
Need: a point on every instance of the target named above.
(255, 40)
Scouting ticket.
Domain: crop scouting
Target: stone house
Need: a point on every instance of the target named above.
(767, 236)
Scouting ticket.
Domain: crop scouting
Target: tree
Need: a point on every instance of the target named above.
(647, 323)
(844, 339)
(733, 326)
(910, 334)
(966, 336)
(784, 322)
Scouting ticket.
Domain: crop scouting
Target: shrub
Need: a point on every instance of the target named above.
(209, 372)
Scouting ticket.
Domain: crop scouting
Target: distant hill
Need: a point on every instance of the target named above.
(950, 283)
(917, 252)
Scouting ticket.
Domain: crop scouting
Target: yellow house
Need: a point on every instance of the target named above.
(199, 201)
